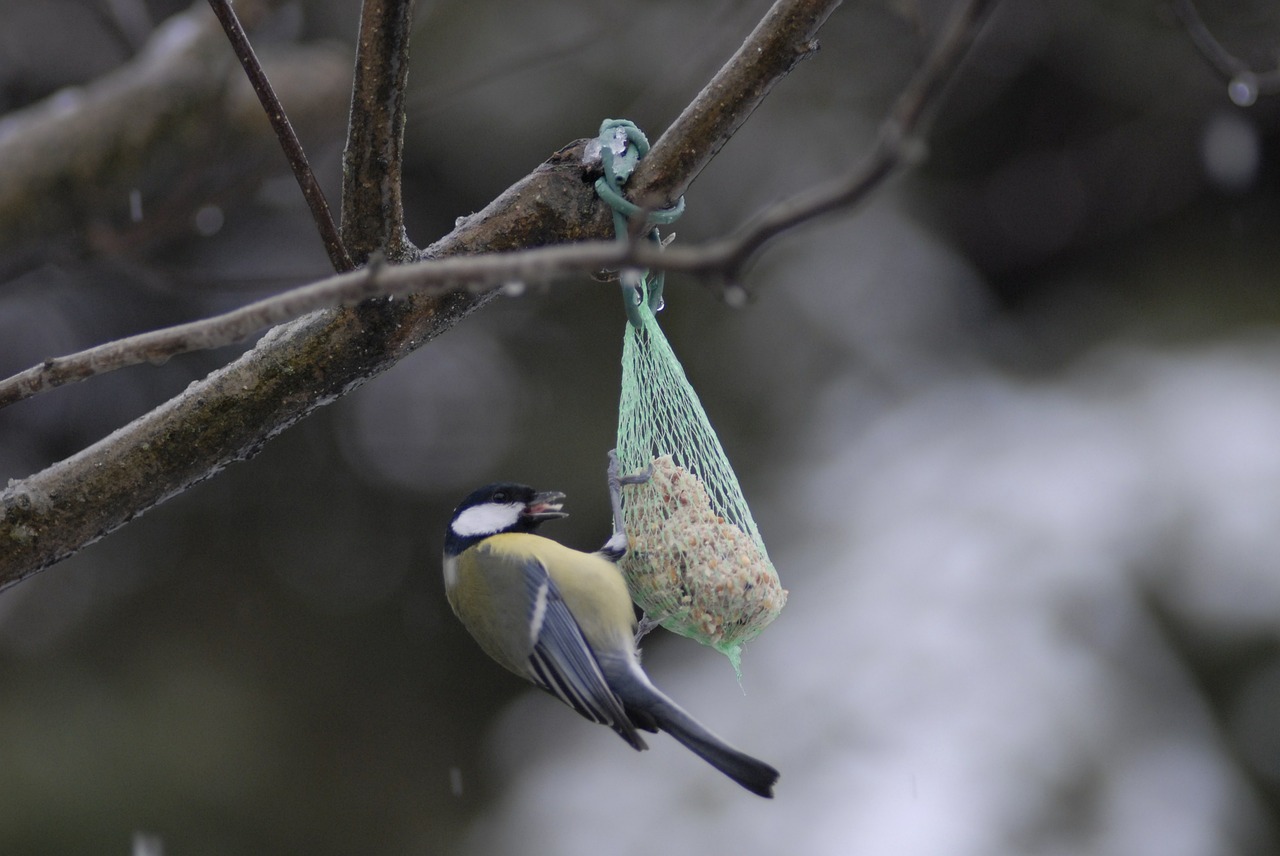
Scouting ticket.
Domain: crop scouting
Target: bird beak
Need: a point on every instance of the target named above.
(545, 506)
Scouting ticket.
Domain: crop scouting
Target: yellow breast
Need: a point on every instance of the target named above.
(489, 585)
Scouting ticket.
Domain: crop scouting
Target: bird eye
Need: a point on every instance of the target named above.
(501, 496)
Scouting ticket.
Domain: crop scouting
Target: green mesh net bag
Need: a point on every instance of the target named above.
(695, 562)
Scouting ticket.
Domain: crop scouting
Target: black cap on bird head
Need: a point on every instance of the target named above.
(501, 507)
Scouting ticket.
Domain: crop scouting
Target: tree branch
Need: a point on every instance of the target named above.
(229, 415)
(723, 259)
(321, 356)
(429, 278)
(372, 209)
(784, 37)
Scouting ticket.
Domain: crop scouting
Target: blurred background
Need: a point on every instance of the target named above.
(1011, 431)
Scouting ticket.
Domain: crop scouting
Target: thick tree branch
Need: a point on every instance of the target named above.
(784, 37)
(291, 371)
(372, 209)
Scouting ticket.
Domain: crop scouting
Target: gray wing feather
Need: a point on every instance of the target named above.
(563, 664)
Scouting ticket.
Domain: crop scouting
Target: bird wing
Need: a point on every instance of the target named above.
(562, 662)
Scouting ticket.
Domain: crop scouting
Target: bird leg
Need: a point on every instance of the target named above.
(616, 481)
(616, 547)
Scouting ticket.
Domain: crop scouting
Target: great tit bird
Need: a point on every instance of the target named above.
(563, 620)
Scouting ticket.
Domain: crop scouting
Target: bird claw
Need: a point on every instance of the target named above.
(643, 626)
(638, 477)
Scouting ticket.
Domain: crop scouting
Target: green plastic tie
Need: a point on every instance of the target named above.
(622, 144)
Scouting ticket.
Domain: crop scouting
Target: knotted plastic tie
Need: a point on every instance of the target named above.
(621, 145)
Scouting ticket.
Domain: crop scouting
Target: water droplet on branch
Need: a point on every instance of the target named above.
(1243, 89)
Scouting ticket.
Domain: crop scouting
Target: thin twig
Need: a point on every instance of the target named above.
(306, 179)
(897, 144)
(429, 278)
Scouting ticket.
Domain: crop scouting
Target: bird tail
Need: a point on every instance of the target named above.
(648, 706)
(753, 774)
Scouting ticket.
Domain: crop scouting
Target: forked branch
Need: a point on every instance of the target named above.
(322, 355)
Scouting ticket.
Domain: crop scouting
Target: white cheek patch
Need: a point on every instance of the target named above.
(487, 519)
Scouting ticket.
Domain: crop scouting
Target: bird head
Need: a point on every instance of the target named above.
(498, 508)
